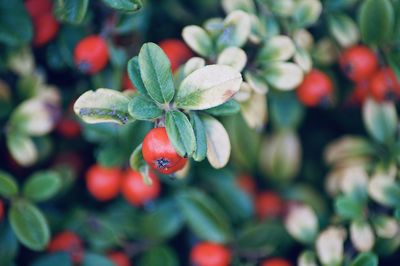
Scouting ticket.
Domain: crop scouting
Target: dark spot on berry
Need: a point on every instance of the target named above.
(84, 67)
(390, 95)
(162, 163)
(348, 69)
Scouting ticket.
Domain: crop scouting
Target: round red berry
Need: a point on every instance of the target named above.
(159, 153)
(91, 54)
(68, 128)
(103, 183)
(315, 89)
(37, 8)
(119, 258)
(69, 242)
(276, 262)
(45, 29)
(269, 205)
(358, 62)
(136, 191)
(384, 85)
(177, 52)
(360, 92)
(210, 254)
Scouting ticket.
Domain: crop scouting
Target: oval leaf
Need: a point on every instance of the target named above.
(134, 75)
(198, 40)
(200, 134)
(103, 105)
(161, 255)
(193, 64)
(208, 87)
(29, 225)
(155, 70)
(365, 259)
(284, 76)
(143, 108)
(22, 148)
(229, 108)
(234, 57)
(344, 29)
(8, 186)
(71, 11)
(42, 186)
(306, 12)
(124, 5)
(180, 133)
(278, 48)
(237, 29)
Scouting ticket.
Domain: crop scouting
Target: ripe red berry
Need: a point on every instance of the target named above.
(360, 92)
(69, 242)
(315, 89)
(37, 8)
(68, 128)
(269, 205)
(136, 191)
(103, 183)
(177, 52)
(159, 153)
(119, 258)
(247, 184)
(384, 85)
(210, 254)
(358, 62)
(45, 28)
(276, 262)
(91, 54)
(1, 210)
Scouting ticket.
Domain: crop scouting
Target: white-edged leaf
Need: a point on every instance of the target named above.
(282, 8)
(208, 87)
(198, 39)
(254, 111)
(22, 148)
(303, 58)
(232, 5)
(218, 144)
(244, 93)
(234, 57)
(303, 38)
(256, 82)
(284, 76)
(344, 29)
(192, 65)
(306, 12)
(237, 28)
(103, 105)
(277, 48)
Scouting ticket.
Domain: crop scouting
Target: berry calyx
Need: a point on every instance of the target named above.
(69, 242)
(45, 29)
(315, 89)
(210, 254)
(103, 183)
(384, 85)
(358, 62)
(91, 54)
(269, 205)
(136, 191)
(177, 52)
(119, 258)
(276, 262)
(159, 153)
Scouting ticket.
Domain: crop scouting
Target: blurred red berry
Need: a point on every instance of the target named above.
(384, 85)
(119, 258)
(103, 183)
(210, 254)
(136, 191)
(45, 29)
(69, 242)
(315, 89)
(177, 52)
(269, 205)
(358, 62)
(68, 128)
(91, 54)
(1, 210)
(276, 262)
(247, 184)
(37, 8)
(159, 153)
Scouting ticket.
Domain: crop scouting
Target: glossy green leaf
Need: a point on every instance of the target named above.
(92, 259)
(15, 25)
(228, 108)
(365, 259)
(134, 75)
(200, 135)
(180, 132)
(143, 108)
(348, 208)
(376, 21)
(204, 216)
(285, 111)
(136, 160)
(124, 5)
(71, 11)
(8, 185)
(155, 70)
(22, 148)
(160, 255)
(42, 186)
(29, 225)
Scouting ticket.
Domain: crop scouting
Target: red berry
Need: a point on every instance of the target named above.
(269, 205)
(210, 254)
(91, 54)
(103, 183)
(358, 62)
(119, 258)
(68, 128)
(177, 52)
(1, 210)
(316, 88)
(360, 92)
(159, 153)
(247, 184)
(69, 242)
(384, 85)
(45, 28)
(136, 191)
(37, 8)
(275, 262)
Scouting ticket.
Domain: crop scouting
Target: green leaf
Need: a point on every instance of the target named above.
(143, 108)
(380, 119)
(71, 11)
(92, 259)
(180, 132)
(204, 216)
(160, 255)
(29, 225)
(42, 186)
(365, 259)
(286, 111)
(343, 29)
(198, 39)
(136, 160)
(228, 108)
(155, 70)
(22, 148)
(306, 12)
(8, 185)
(208, 87)
(237, 29)
(124, 5)
(376, 21)
(134, 75)
(200, 136)
(277, 48)
(283, 76)
(15, 25)
(103, 105)
(348, 207)
(58, 258)
(8, 244)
